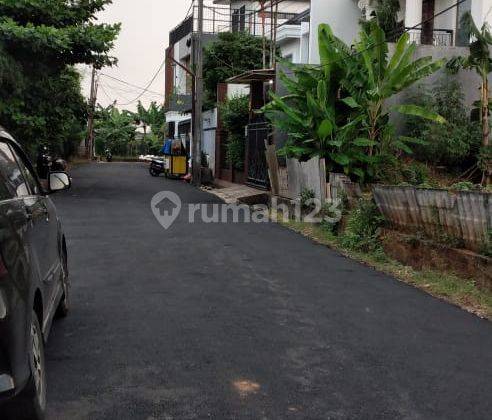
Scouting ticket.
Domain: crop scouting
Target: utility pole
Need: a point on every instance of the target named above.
(197, 135)
(89, 145)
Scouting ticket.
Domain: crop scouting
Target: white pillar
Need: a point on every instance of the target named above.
(481, 11)
(413, 17)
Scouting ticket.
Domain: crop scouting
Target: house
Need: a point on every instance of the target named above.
(442, 31)
(226, 15)
(290, 19)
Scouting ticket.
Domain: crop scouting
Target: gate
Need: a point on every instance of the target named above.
(256, 164)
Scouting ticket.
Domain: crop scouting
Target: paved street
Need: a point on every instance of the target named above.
(243, 321)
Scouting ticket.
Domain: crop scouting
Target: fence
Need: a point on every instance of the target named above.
(462, 215)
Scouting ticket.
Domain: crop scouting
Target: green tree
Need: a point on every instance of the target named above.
(455, 144)
(114, 130)
(386, 15)
(480, 60)
(339, 110)
(155, 118)
(230, 55)
(40, 42)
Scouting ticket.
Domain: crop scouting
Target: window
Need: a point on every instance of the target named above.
(28, 175)
(242, 18)
(12, 179)
(235, 20)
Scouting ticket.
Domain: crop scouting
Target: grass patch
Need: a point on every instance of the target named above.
(446, 286)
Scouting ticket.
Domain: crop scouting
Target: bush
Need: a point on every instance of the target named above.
(234, 115)
(487, 246)
(306, 198)
(363, 228)
(454, 144)
(408, 173)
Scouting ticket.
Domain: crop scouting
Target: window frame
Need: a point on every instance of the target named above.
(24, 164)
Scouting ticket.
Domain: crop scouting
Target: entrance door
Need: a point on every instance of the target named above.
(428, 8)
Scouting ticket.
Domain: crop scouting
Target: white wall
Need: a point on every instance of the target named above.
(343, 17)
(181, 52)
(482, 11)
(291, 47)
(208, 138)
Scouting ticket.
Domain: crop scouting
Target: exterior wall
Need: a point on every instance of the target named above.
(342, 15)
(291, 48)
(182, 54)
(482, 11)
(176, 117)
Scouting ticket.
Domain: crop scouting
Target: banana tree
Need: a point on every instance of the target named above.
(312, 115)
(481, 61)
(373, 78)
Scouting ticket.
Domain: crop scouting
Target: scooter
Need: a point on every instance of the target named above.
(156, 167)
(109, 156)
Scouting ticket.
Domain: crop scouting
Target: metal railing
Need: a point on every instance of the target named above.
(438, 37)
(225, 19)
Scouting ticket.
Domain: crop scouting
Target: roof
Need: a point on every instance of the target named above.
(263, 75)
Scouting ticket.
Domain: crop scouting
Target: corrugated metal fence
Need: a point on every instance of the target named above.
(464, 215)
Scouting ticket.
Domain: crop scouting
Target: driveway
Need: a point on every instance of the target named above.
(243, 321)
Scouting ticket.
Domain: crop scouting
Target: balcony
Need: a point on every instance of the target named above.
(224, 19)
(435, 37)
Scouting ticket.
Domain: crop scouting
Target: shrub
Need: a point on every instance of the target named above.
(234, 115)
(235, 152)
(464, 186)
(363, 228)
(454, 144)
(487, 246)
(306, 198)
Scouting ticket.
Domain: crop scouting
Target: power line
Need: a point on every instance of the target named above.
(130, 84)
(149, 84)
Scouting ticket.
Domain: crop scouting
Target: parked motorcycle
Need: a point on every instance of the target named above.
(109, 156)
(156, 167)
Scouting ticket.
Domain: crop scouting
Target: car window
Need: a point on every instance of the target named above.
(28, 175)
(13, 181)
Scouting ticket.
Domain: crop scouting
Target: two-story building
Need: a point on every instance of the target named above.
(224, 16)
(441, 20)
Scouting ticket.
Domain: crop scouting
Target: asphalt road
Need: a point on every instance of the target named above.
(243, 321)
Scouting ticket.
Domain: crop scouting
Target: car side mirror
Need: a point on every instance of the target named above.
(59, 181)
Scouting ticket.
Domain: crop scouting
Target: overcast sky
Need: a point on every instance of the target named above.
(140, 47)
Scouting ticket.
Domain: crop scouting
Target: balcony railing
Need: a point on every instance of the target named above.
(224, 19)
(438, 37)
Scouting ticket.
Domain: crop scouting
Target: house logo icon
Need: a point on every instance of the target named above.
(166, 206)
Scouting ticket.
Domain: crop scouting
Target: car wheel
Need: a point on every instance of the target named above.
(31, 402)
(64, 305)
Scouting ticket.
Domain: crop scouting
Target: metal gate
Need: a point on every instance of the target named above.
(256, 164)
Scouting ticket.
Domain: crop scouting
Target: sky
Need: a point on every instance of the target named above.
(140, 48)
